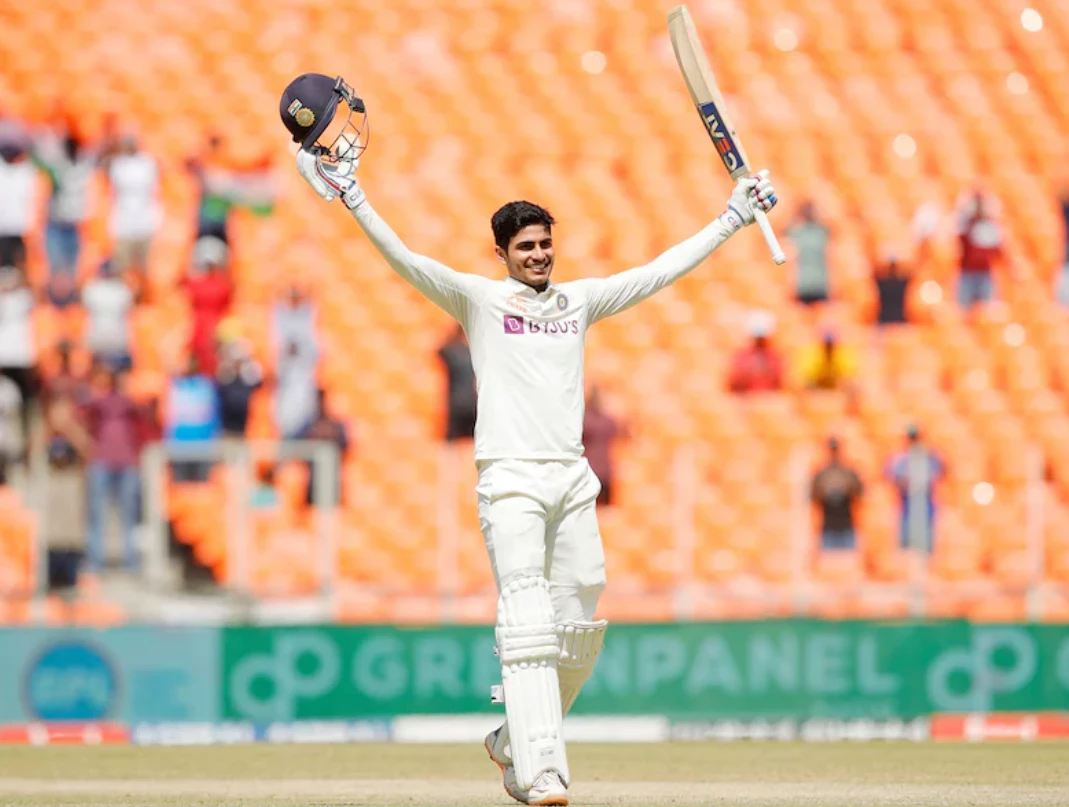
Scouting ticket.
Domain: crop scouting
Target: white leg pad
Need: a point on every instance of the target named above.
(580, 646)
(528, 646)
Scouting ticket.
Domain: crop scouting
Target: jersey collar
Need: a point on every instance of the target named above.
(519, 287)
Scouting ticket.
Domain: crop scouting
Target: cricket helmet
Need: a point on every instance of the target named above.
(309, 110)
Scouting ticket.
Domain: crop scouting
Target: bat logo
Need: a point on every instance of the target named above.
(725, 144)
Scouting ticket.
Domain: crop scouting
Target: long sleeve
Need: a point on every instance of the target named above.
(611, 295)
(450, 290)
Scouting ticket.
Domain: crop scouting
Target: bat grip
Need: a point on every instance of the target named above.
(770, 237)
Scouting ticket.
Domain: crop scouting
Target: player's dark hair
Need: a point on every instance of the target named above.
(514, 216)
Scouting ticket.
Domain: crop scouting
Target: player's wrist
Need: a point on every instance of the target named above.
(354, 197)
(732, 219)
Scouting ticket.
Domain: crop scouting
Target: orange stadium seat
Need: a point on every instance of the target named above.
(619, 158)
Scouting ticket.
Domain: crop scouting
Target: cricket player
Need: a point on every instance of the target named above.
(536, 492)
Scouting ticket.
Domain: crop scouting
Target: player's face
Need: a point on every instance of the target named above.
(530, 255)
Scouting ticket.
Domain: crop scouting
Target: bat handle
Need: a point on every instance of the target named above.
(770, 237)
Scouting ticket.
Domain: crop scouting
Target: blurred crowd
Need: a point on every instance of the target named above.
(66, 400)
(828, 364)
(71, 401)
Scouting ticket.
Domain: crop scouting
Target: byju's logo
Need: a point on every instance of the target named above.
(514, 324)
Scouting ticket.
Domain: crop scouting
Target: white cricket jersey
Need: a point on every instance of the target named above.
(527, 346)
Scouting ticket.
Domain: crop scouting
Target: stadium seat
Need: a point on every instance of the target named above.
(619, 157)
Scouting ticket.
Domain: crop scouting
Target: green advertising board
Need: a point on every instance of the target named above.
(737, 670)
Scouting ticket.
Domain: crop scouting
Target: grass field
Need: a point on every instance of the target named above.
(682, 775)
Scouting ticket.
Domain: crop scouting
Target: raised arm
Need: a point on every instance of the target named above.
(450, 290)
(616, 293)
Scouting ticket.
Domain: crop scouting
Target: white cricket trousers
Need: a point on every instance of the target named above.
(539, 517)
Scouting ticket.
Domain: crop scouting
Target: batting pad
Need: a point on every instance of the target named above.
(580, 646)
(527, 645)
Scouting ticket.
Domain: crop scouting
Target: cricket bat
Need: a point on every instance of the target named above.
(710, 104)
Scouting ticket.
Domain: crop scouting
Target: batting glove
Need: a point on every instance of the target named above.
(331, 180)
(750, 194)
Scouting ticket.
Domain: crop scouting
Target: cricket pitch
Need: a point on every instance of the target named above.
(751, 774)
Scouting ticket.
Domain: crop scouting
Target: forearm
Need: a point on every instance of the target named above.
(677, 261)
(621, 291)
(385, 240)
(438, 283)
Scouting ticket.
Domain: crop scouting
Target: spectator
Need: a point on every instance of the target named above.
(892, 286)
(114, 426)
(810, 238)
(914, 473)
(67, 446)
(209, 250)
(293, 325)
(191, 416)
(1062, 277)
(17, 185)
(18, 353)
(254, 186)
(829, 365)
(14, 141)
(10, 407)
(600, 429)
(758, 366)
(109, 139)
(239, 375)
(65, 382)
(264, 494)
(980, 242)
(456, 356)
(69, 164)
(108, 302)
(834, 490)
(223, 187)
(330, 430)
(135, 213)
(213, 211)
(210, 293)
(61, 290)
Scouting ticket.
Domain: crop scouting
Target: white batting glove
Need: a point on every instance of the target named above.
(331, 180)
(750, 194)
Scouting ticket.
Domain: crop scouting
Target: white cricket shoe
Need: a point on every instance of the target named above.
(548, 788)
(497, 748)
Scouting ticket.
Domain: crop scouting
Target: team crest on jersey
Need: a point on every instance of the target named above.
(562, 302)
(518, 303)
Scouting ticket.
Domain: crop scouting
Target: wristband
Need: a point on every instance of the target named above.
(732, 219)
(354, 197)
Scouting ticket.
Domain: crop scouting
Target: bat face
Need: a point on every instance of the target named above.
(707, 99)
(723, 138)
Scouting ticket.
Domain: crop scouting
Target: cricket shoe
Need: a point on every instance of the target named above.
(548, 788)
(497, 748)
